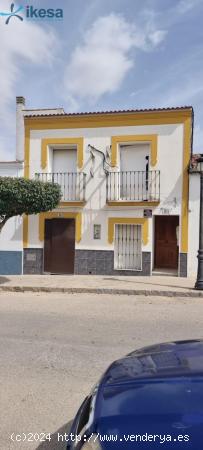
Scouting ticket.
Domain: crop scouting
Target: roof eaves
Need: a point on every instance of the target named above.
(125, 111)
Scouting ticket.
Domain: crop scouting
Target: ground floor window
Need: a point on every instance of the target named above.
(127, 247)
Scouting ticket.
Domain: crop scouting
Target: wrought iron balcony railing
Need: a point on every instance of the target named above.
(137, 186)
(72, 184)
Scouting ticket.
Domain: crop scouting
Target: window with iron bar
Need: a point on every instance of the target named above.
(128, 247)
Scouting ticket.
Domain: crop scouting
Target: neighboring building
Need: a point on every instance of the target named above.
(11, 242)
(125, 183)
(194, 207)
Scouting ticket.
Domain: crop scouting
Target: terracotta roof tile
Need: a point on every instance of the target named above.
(121, 111)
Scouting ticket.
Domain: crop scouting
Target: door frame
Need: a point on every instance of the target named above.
(63, 215)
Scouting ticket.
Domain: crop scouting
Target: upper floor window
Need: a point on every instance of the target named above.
(64, 160)
(134, 157)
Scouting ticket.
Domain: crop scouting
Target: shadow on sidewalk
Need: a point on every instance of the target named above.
(3, 280)
(151, 283)
(56, 442)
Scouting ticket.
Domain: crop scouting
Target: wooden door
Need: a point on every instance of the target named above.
(59, 246)
(166, 245)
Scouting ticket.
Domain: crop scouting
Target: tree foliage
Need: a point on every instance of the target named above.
(22, 196)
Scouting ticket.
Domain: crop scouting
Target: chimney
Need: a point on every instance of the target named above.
(20, 106)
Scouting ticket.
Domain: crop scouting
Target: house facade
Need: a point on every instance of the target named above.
(125, 190)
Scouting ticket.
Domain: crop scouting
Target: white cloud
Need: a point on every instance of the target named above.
(100, 64)
(23, 44)
(182, 94)
(157, 37)
(185, 6)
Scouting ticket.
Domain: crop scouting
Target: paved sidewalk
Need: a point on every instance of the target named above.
(155, 285)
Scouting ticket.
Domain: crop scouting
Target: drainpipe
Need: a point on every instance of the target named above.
(20, 106)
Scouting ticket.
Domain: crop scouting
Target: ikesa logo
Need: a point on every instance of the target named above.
(31, 12)
(34, 13)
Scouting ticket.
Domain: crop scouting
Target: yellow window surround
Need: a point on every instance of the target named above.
(78, 142)
(148, 138)
(112, 221)
(62, 215)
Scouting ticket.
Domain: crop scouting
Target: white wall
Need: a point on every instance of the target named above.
(11, 236)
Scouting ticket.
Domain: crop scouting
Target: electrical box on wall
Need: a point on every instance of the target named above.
(97, 231)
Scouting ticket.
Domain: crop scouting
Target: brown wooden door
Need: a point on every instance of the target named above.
(166, 246)
(59, 246)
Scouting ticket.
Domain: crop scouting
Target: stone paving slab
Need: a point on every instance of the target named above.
(169, 286)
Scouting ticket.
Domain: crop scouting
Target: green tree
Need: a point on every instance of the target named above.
(22, 196)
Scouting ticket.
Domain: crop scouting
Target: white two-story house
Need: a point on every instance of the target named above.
(125, 185)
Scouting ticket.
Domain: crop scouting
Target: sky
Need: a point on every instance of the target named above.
(103, 55)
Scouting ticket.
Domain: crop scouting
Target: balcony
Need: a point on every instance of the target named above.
(72, 184)
(133, 187)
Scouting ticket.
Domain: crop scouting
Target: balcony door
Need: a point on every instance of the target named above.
(134, 167)
(64, 172)
(59, 246)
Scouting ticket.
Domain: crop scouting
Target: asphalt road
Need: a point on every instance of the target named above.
(53, 348)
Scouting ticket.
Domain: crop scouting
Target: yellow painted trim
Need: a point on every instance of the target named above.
(125, 203)
(27, 153)
(26, 175)
(108, 119)
(185, 186)
(25, 231)
(116, 140)
(62, 204)
(66, 215)
(128, 220)
(62, 141)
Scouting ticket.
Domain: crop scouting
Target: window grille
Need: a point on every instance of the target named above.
(127, 247)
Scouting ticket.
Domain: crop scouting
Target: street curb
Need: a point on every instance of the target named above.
(75, 290)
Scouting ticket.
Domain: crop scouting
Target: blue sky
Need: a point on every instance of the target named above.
(103, 55)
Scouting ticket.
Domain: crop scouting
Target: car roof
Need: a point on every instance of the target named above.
(171, 359)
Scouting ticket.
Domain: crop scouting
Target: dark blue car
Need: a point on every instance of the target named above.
(150, 399)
